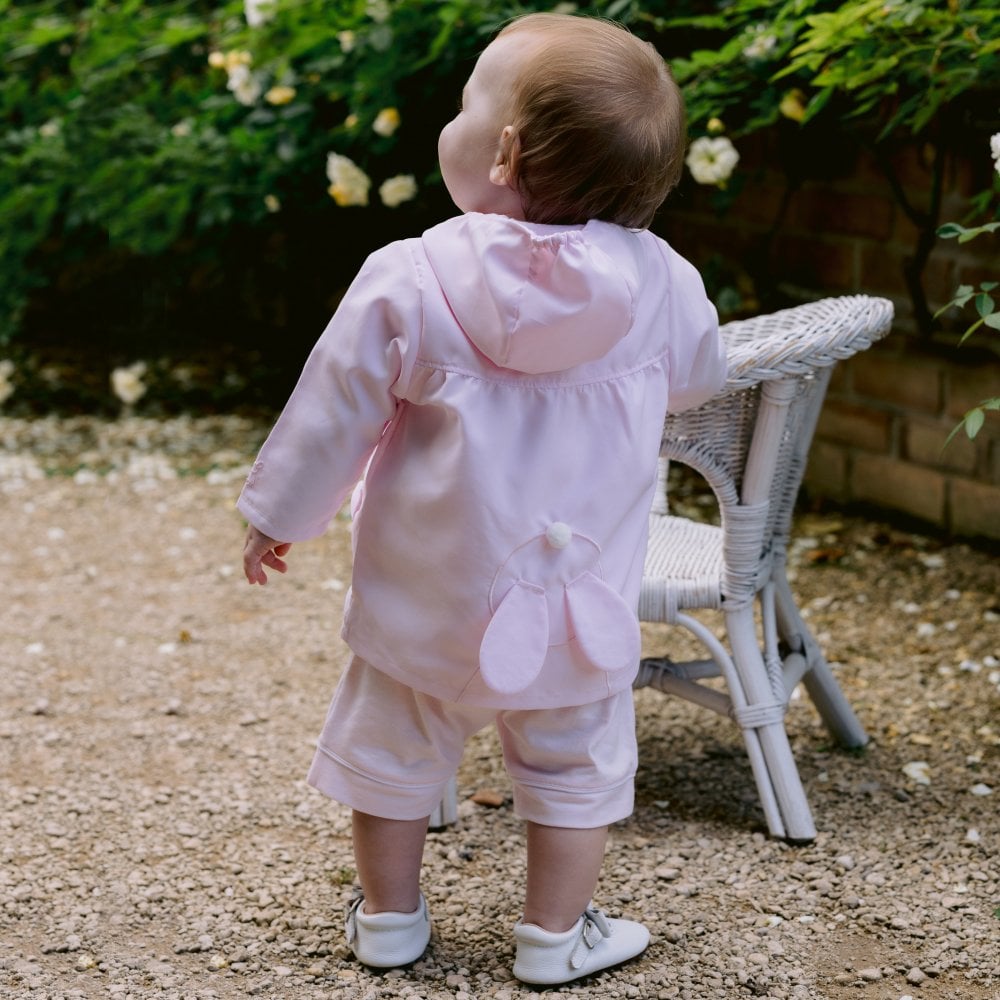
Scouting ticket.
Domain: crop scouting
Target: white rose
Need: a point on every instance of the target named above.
(127, 383)
(995, 150)
(245, 86)
(397, 189)
(378, 10)
(258, 12)
(349, 184)
(761, 44)
(711, 161)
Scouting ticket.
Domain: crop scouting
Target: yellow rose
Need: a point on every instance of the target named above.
(386, 122)
(280, 95)
(237, 57)
(793, 105)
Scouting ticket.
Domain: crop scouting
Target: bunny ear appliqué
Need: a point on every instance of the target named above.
(516, 640)
(606, 628)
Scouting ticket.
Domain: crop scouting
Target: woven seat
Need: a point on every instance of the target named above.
(750, 443)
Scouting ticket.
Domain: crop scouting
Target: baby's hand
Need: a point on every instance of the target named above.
(260, 551)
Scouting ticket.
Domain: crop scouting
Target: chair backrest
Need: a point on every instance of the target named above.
(779, 365)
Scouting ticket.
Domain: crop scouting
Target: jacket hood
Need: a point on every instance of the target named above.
(537, 298)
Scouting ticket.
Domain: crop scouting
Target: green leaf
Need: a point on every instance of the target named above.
(984, 305)
(974, 421)
(992, 321)
(970, 234)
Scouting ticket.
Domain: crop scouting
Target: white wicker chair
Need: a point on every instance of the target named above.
(751, 443)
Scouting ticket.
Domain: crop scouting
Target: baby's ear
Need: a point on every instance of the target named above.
(503, 173)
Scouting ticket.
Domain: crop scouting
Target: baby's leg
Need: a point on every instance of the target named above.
(563, 867)
(388, 924)
(388, 750)
(571, 768)
(388, 854)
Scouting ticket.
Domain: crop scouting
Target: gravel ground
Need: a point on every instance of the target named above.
(158, 715)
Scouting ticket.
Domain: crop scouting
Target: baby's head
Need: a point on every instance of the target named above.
(586, 122)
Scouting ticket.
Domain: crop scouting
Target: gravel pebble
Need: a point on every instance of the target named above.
(158, 840)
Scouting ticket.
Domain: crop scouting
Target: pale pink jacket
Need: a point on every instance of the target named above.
(501, 386)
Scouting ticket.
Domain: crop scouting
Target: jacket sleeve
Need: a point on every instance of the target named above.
(347, 394)
(697, 354)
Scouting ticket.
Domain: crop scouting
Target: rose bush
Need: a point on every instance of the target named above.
(882, 76)
(214, 171)
(159, 162)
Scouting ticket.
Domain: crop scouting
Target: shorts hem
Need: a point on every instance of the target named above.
(582, 809)
(341, 781)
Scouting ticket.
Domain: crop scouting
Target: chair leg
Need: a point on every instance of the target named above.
(823, 689)
(761, 716)
(446, 813)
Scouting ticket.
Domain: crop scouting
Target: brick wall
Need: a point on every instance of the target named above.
(881, 438)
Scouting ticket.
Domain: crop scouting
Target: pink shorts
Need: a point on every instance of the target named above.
(389, 751)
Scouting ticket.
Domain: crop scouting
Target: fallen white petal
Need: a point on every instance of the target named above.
(981, 789)
(918, 771)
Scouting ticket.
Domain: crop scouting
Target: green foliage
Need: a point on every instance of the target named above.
(888, 65)
(125, 138)
(837, 76)
(988, 315)
(163, 166)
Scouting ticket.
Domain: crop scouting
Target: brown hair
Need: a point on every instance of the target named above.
(599, 127)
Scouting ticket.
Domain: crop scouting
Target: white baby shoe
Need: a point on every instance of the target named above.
(389, 939)
(593, 943)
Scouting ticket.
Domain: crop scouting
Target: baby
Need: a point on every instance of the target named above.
(499, 386)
